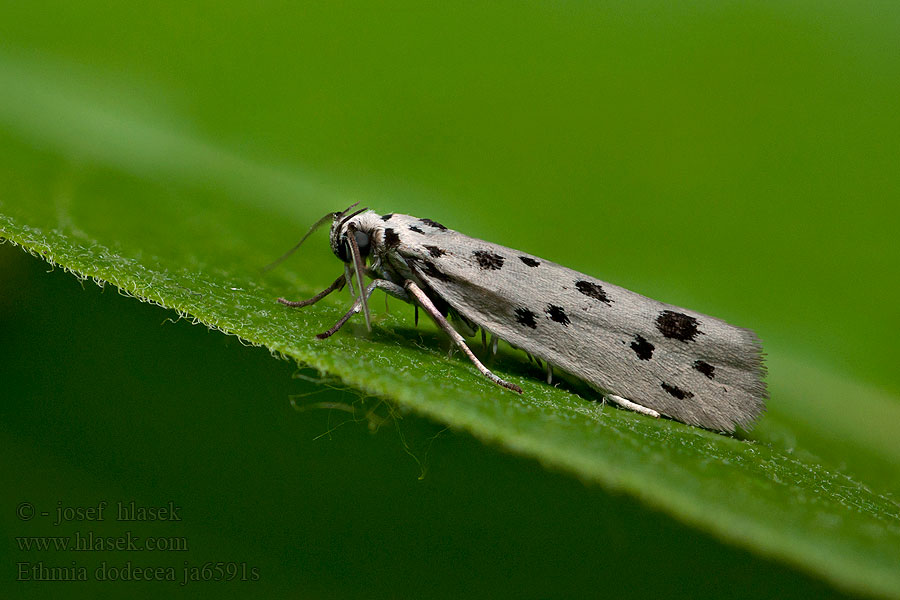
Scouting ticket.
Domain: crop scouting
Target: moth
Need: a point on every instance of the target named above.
(641, 354)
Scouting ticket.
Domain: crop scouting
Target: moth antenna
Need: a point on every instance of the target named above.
(348, 217)
(359, 268)
(346, 210)
(283, 257)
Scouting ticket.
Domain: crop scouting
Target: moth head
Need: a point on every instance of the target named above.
(341, 225)
(344, 225)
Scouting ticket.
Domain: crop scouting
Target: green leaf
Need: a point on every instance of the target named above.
(158, 411)
(126, 182)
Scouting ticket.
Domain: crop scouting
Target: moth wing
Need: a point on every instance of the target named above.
(683, 364)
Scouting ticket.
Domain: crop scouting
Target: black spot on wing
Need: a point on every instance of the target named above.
(676, 391)
(705, 368)
(387, 217)
(391, 239)
(526, 317)
(432, 271)
(434, 224)
(416, 229)
(642, 347)
(435, 251)
(488, 260)
(593, 290)
(556, 313)
(677, 325)
(529, 261)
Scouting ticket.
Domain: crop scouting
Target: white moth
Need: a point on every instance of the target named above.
(641, 354)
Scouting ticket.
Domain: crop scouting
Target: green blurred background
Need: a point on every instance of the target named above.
(738, 158)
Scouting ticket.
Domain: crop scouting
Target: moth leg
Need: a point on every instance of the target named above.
(360, 266)
(348, 276)
(337, 285)
(391, 288)
(435, 314)
(628, 404)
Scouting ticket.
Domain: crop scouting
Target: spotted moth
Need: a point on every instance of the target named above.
(641, 354)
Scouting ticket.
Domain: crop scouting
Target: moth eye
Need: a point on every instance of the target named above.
(362, 240)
